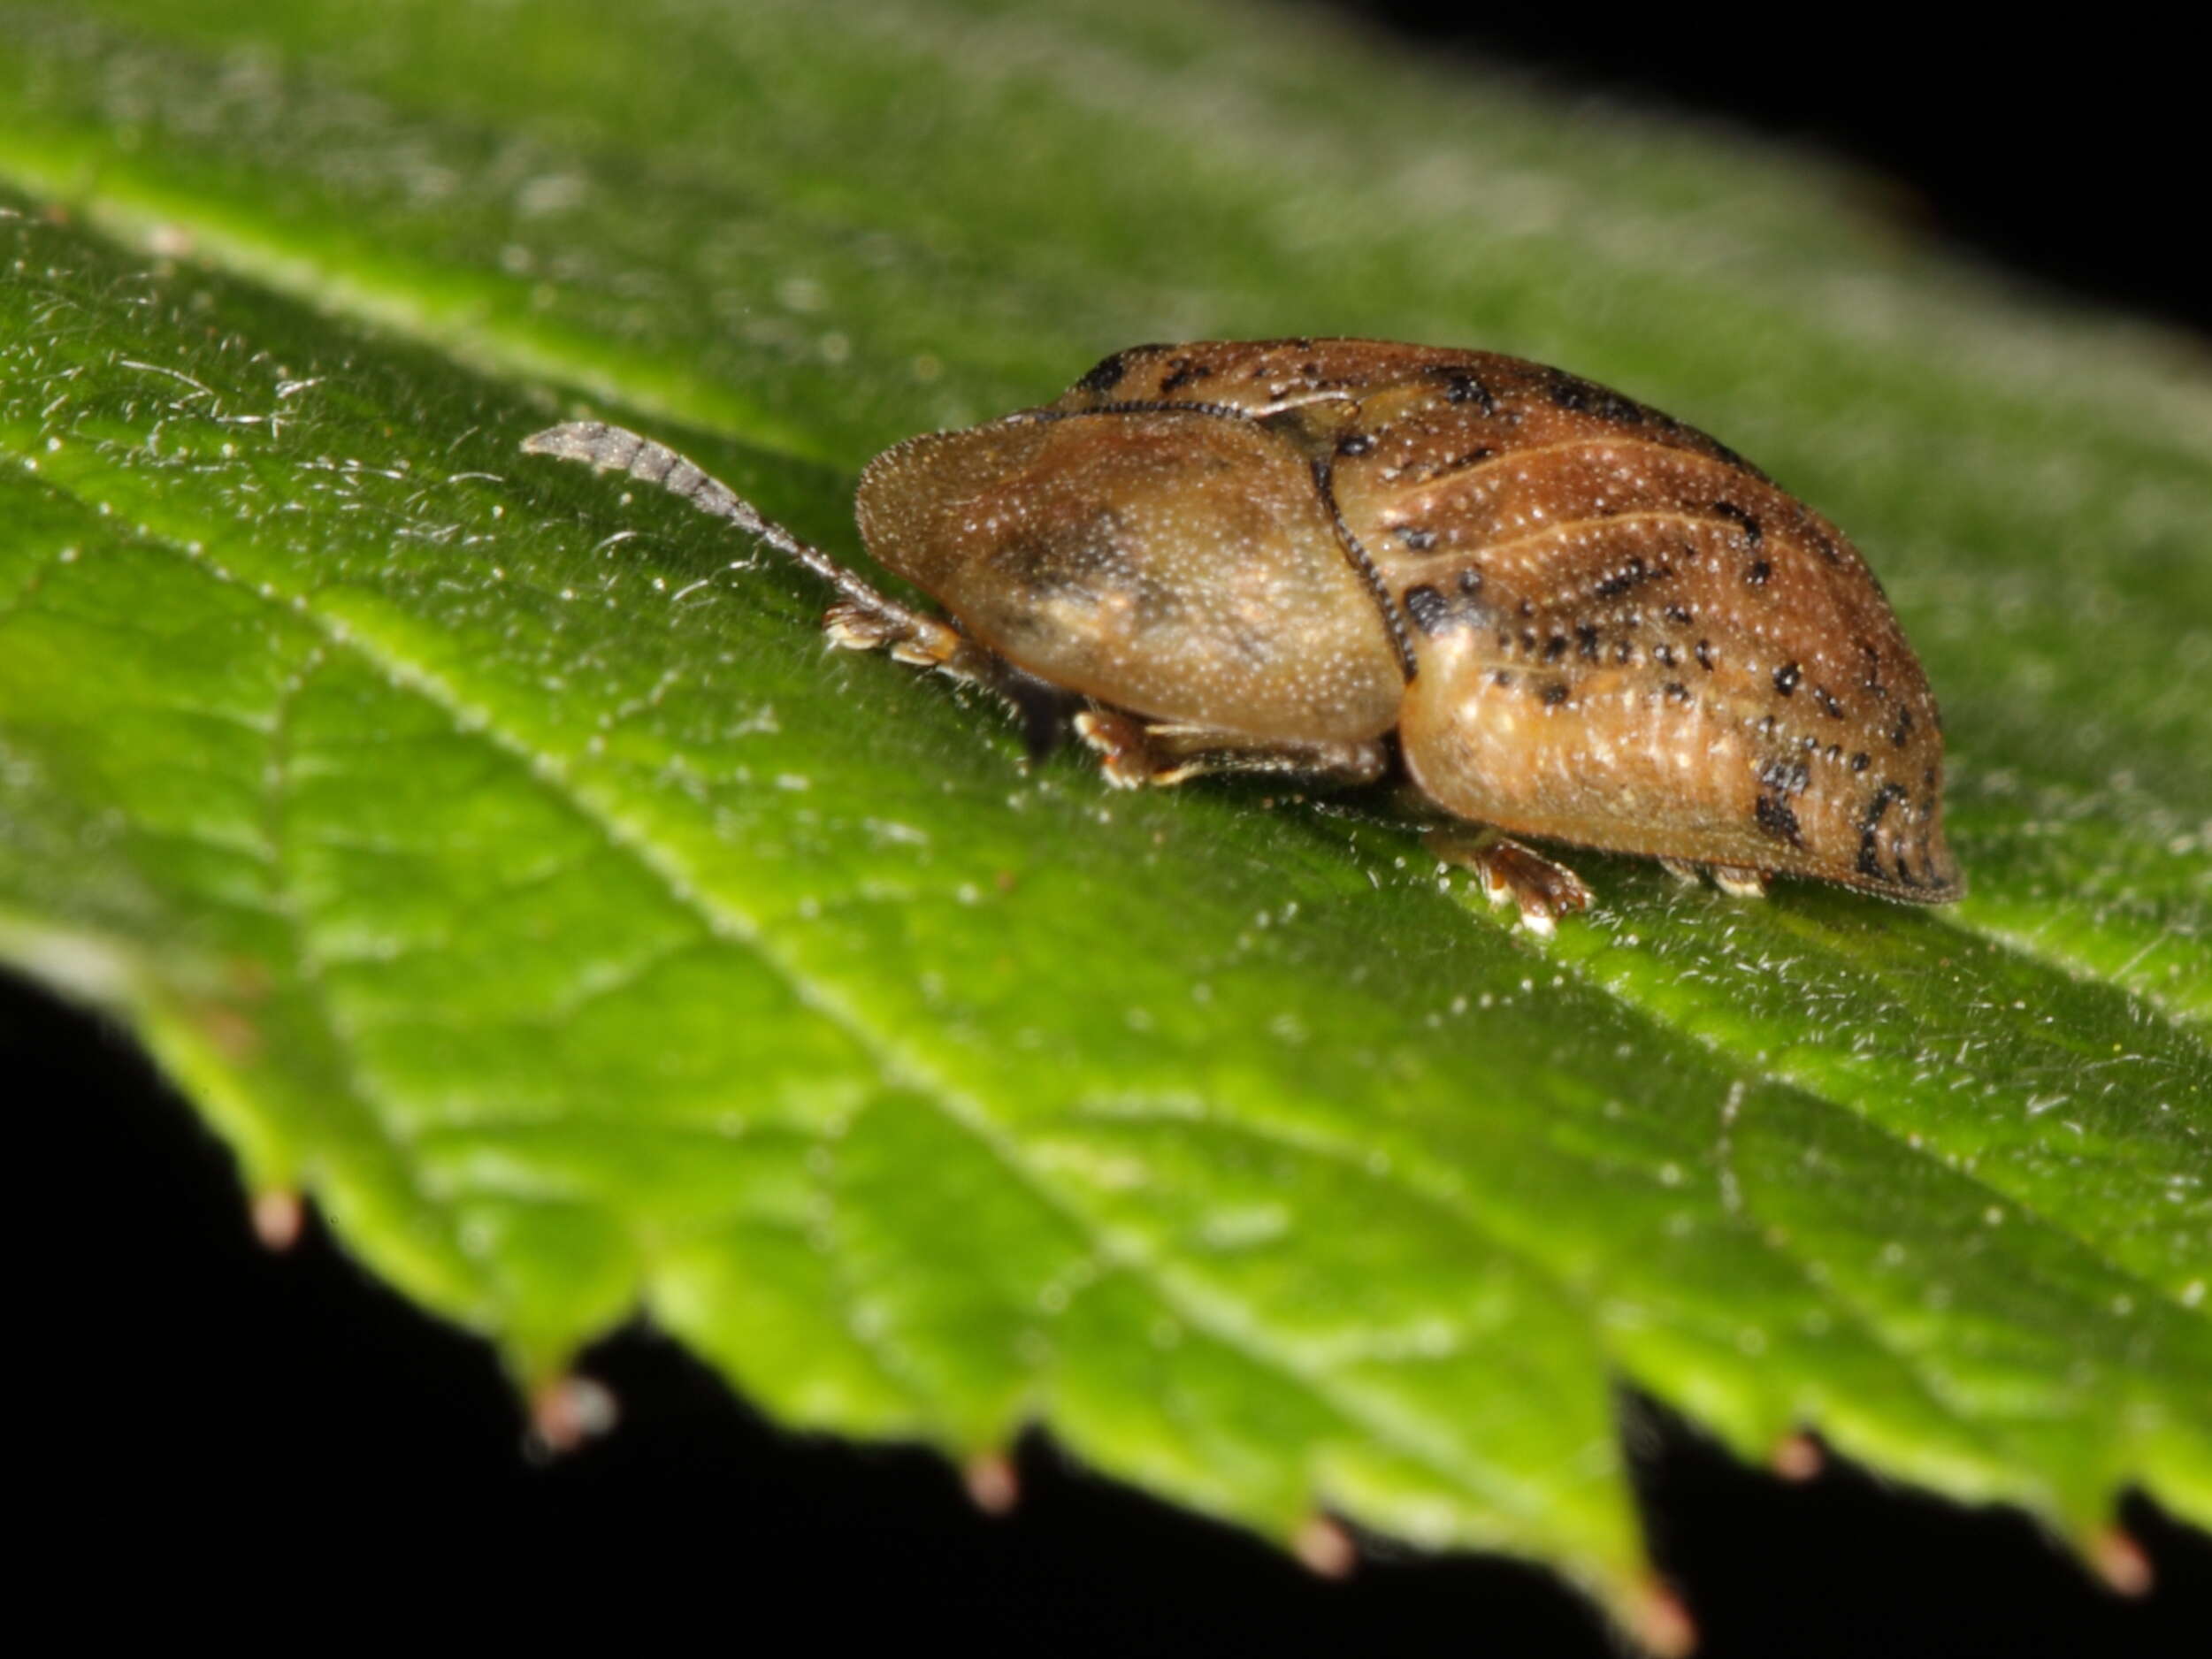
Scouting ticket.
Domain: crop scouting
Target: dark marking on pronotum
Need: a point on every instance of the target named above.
(1754, 532)
(1778, 819)
(1786, 678)
(1827, 698)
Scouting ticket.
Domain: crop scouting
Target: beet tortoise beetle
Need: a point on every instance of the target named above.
(1576, 618)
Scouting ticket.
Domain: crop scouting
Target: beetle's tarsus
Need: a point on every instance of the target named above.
(1685, 872)
(1125, 760)
(1739, 882)
(1541, 890)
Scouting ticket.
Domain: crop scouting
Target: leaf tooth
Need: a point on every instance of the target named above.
(279, 1214)
(994, 1486)
(1325, 1546)
(569, 1410)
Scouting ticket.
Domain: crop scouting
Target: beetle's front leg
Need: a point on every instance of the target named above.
(1542, 891)
(912, 637)
(1134, 752)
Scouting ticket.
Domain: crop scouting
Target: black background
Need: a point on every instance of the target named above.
(221, 1438)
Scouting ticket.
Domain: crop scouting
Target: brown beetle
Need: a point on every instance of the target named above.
(1583, 621)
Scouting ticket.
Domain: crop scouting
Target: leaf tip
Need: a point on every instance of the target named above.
(1658, 1621)
(1799, 1456)
(993, 1485)
(1324, 1547)
(279, 1214)
(2120, 1561)
(569, 1411)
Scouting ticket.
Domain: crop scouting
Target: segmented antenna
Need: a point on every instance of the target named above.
(606, 449)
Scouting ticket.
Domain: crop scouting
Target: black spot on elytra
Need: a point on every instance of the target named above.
(1555, 648)
(1786, 678)
(1625, 652)
(1663, 655)
(1887, 795)
(1586, 397)
(1901, 733)
(1470, 582)
(1181, 372)
(1500, 676)
(1430, 610)
(1108, 371)
(1756, 573)
(1554, 693)
(1790, 776)
(1827, 698)
(1775, 818)
(1754, 532)
(1705, 655)
(1676, 691)
(1861, 761)
(1868, 862)
(1680, 615)
(1356, 444)
(1460, 387)
(1633, 572)
(1417, 537)
(1586, 641)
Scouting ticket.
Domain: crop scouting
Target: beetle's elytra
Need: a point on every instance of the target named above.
(1579, 619)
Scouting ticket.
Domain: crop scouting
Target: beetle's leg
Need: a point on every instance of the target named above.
(1541, 890)
(1134, 752)
(864, 618)
(1738, 881)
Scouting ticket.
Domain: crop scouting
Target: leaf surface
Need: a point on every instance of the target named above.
(499, 859)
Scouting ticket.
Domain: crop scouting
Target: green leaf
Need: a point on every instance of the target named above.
(496, 860)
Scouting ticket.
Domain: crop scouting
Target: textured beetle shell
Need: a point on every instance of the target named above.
(1586, 620)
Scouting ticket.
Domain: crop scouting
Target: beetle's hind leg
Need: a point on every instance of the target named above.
(1134, 752)
(1541, 890)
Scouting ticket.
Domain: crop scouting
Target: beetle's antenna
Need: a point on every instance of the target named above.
(615, 449)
